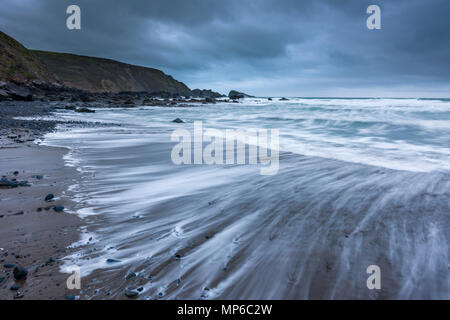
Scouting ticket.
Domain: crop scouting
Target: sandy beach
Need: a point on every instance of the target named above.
(32, 234)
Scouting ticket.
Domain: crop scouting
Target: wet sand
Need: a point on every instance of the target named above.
(32, 233)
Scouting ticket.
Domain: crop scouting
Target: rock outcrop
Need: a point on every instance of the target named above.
(238, 95)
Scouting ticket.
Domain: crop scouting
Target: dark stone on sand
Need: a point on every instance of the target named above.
(49, 197)
(177, 256)
(18, 213)
(178, 120)
(49, 261)
(131, 275)
(39, 209)
(58, 208)
(16, 173)
(85, 110)
(18, 295)
(131, 293)
(39, 177)
(112, 261)
(70, 297)
(1, 279)
(5, 182)
(14, 287)
(1, 215)
(9, 265)
(20, 272)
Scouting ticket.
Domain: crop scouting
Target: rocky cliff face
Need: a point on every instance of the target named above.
(20, 64)
(104, 75)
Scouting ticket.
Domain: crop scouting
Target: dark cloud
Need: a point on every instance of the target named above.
(266, 47)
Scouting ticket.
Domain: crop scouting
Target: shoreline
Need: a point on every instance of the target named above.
(32, 233)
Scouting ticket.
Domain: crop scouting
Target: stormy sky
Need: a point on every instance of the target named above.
(263, 47)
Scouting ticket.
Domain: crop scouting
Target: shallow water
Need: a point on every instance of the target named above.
(361, 182)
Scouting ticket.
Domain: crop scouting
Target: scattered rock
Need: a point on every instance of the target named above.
(49, 197)
(112, 261)
(18, 295)
(9, 265)
(58, 208)
(131, 293)
(6, 183)
(14, 287)
(85, 110)
(20, 272)
(131, 275)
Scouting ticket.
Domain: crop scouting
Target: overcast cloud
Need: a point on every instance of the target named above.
(263, 47)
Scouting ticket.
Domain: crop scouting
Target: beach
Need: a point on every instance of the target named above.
(32, 233)
(361, 183)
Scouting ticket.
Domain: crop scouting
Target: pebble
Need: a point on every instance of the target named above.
(112, 261)
(8, 265)
(18, 295)
(131, 293)
(130, 276)
(49, 197)
(14, 287)
(20, 272)
(58, 208)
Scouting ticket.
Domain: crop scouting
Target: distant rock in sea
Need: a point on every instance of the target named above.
(197, 93)
(238, 95)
